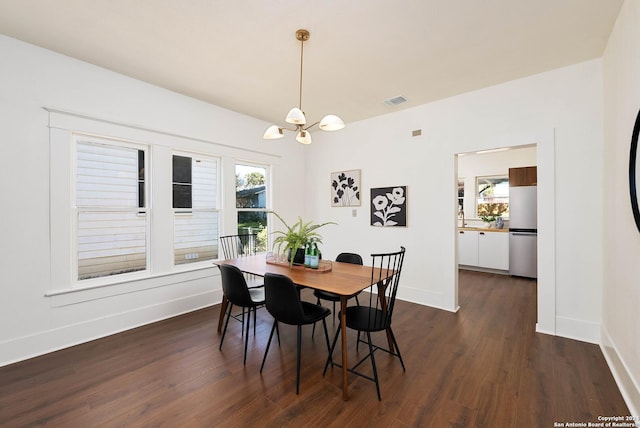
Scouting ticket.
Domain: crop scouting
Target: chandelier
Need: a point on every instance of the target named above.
(296, 116)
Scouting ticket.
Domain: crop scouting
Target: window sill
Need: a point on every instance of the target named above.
(72, 296)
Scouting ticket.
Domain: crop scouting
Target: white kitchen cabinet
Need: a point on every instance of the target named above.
(483, 249)
(468, 247)
(493, 250)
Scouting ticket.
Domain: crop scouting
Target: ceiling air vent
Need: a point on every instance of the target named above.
(394, 101)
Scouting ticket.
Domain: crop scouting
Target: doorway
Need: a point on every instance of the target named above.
(545, 160)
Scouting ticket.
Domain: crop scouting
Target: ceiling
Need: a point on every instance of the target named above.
(243, 55)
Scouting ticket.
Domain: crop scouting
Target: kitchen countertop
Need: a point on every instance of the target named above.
(483, 229)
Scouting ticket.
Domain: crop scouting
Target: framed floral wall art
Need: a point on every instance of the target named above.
(345, 188)
(389, 206)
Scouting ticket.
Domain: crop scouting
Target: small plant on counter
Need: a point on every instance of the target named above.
(488, 218)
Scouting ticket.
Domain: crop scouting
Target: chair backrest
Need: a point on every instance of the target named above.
(385, 277)
(234, 246)
(282, 299)
(234, 286)
(352, 258)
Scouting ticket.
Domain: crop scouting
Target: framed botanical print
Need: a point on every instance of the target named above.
(389, 206)
(345, 188)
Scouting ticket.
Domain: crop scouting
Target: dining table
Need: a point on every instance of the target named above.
(343, 279)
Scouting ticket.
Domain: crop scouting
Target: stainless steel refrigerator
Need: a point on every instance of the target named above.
(523, 231)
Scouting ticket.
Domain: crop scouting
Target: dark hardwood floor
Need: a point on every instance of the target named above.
(484, 366)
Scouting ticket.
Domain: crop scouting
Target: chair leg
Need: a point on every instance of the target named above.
(373, 364)
(326, 336)
(298, 359)
(313, 331)
(242, 329)
(255, 310)
(266, 351)
(246, 336)
(330, 357)
(224, 330)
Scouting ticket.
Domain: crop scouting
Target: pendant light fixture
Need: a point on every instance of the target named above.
(296, 116)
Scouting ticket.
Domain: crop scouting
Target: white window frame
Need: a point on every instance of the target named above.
(188, 212)
(78, 138)
(267, 189)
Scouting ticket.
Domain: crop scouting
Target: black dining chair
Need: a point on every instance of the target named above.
(234, 246)
(241, 245)
(238, 293)
(376, 316)
(282, 300)
(352, 258)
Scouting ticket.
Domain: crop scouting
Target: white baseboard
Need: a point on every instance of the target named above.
(425, 298)
(43, 342)
(581, 330)
(628, 386)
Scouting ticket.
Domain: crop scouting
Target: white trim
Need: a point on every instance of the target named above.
(547, 243)
(46, 341)
(577, 329)
(628, 386)
(71, 296)
(57, 120)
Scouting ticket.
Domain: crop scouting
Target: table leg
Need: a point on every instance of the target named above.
(343, 332)
(383, 304)
(223, 310)
(390, 341)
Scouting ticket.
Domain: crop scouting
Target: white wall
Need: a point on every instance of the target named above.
(621, 289)
(560, 110)
(31, 79)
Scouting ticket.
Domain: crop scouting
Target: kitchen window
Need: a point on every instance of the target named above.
(493, 196)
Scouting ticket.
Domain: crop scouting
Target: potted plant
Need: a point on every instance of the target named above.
(489, 219)
(490, 212)
(292, 241)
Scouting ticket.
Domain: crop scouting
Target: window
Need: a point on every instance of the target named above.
(111, 221)
(493, 196)
(141, 169)
(182, 185)
(195, 187)
(113, 225)
(251, 202)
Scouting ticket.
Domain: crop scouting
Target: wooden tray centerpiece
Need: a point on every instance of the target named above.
(279, 259)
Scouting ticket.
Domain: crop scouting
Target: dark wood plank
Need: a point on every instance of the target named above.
(483, 366)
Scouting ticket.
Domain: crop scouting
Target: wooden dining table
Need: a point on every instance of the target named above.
(343, 279)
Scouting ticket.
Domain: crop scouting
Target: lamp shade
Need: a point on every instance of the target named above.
(296, 116)
(303, 137)
(273, 132)
(331, 122)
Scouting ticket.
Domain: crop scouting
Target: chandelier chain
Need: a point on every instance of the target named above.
(301, 60)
